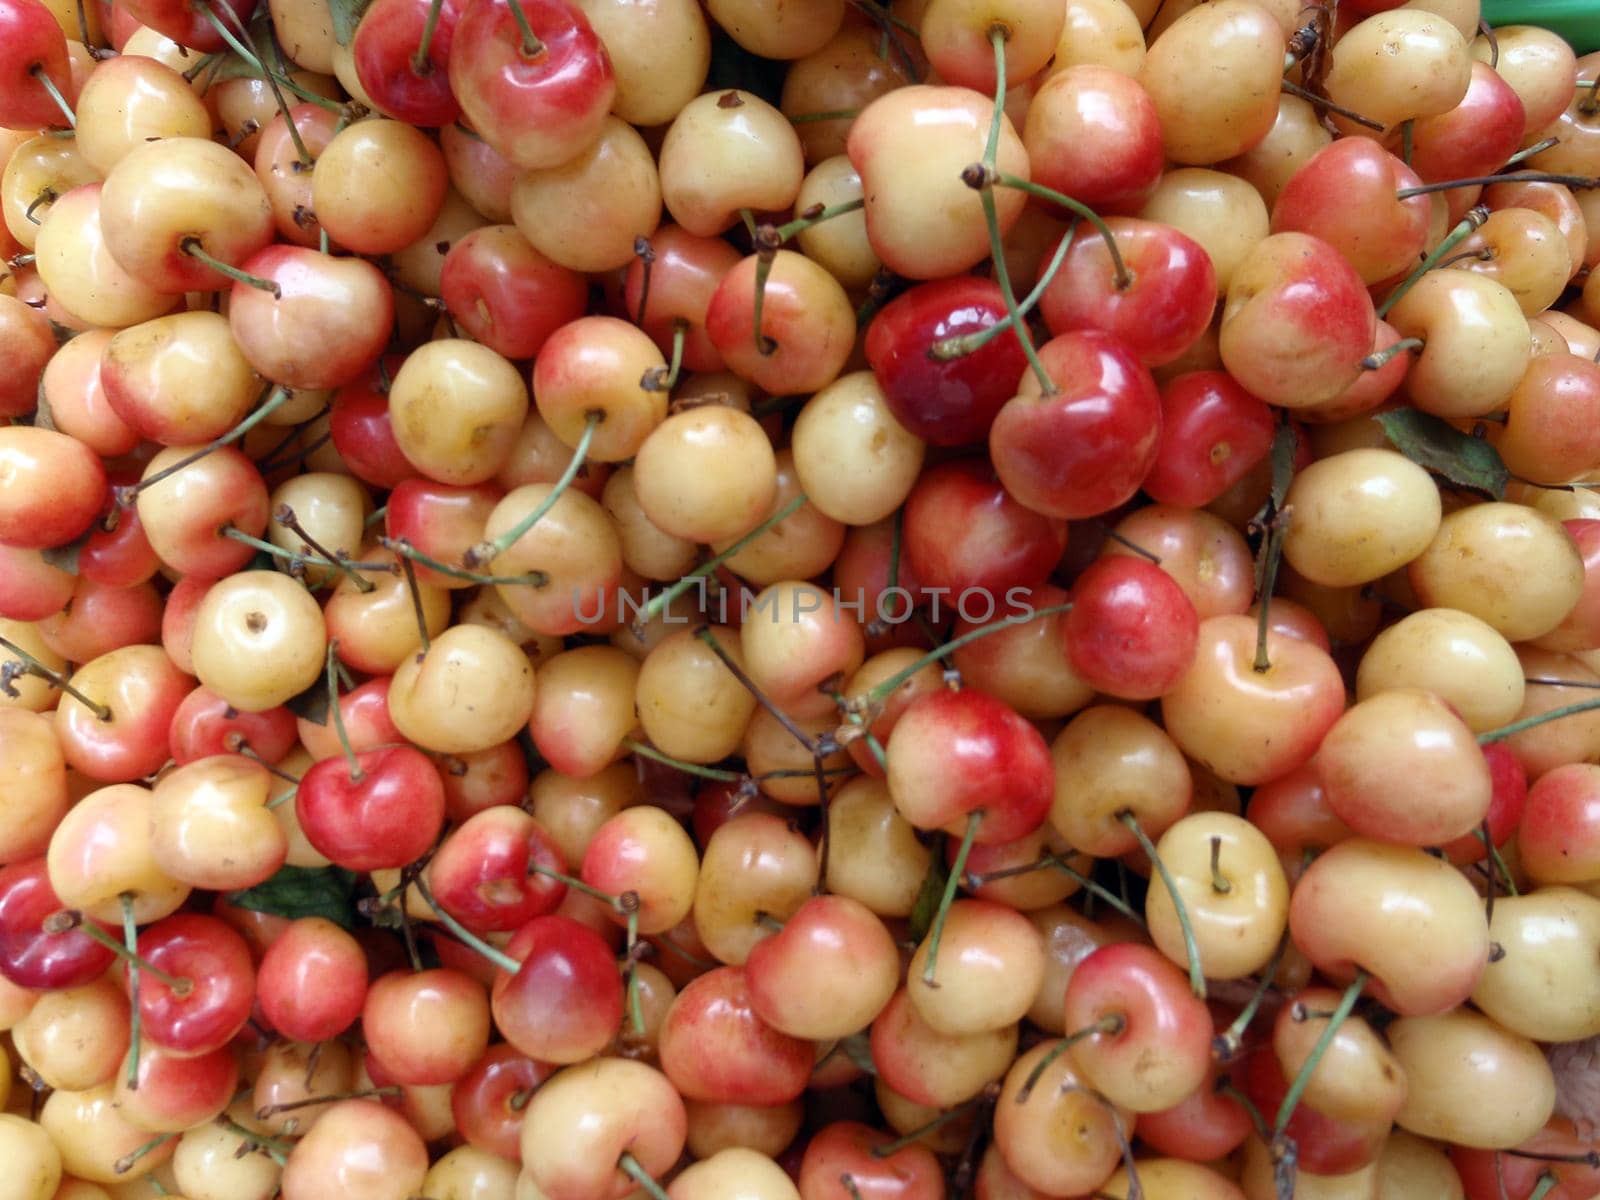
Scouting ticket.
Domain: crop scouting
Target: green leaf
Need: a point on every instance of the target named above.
(312, 704)
(346, 16)
(928, 897)
(305, 892)
(1439, 446)
(65, 558)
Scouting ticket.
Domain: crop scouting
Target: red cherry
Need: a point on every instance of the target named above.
(716, 1049)
(488, 1101)
(944, 401)
(482, 876)
(508, 295)
(1213, 433)
(384, 50)
(205, 724)
(1327, 1146)
(186, 23)
(385, 816)
(362, 432)
(1085, 448)
(31, 45)
(1510, 783)
(30, 957)
(120, 557)
(222, 983)
(1131, 631)
(312, 981)
(564, 1004)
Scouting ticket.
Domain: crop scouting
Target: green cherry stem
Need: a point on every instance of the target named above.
(1547, 1184)
(1226, 1044)
(635, 1004)
(423, 640)
(1349, 114)
(337, 717)
(131, 1159)
(273, 399)
(966, 343)
(406, 550)
(1052, 862)
(617, 903)
(130, 943)
(49, 85)
(1379, 359)
(1111, 1025)
(285, 515)
(1533, 722)
(1465, 229)
(1271, 559)
(688, 768)
(195, 250)
(767, 245)
(890, 1149)
(816, 215)
(1124, 278)
(664, 379)
(634, 1170)
(29, 665)
(69, 919)
(660, 600)
(1191, 949)
(1297, 1087)
(936, 931)
(1496, 862)
(420, 62)
(830, 114)
(1577, 183)
(496, 956)
(532, 47)
(246, 50)
(885, 689)
(486, 552)
(1528, 152)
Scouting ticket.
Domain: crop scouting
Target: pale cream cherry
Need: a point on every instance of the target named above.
(856, 462)
(843, 76)
(1397, 66)
(1448, 1058)
(1105, 33)
(1061, 1139)
(33, 784)
(647, 549)
(34, 694)
(304, 28)
(735, 1171)
(991, 962)
(76, 265)
(840, 244)
(726, 151)
(706, 474)
(773, 29)
(74, 1038)
(331, 509)
(875, 857)
(1360, 515)
(471, 689)
(588, 213)
(37, 172)
(378, 186)
(755, 863)
(572, 809)
(1297, 134)
(911, 147)
(1220, 211)
(182, 377)
(102, 851)
(130, 100)
(660, 53)
(1413, 1166)
(1244, 46)
(361, 1149)
(691, 706)
(470, 1173)
(800, 546)
(1452, 654)
(580, 1123)
(212, 1162)
(1523, 250)
(766, 1129)
(1538, 65)
(210, 827)
(88, 1129)
(583, 709)
(1539, 987)
(33, 1164)
(482, 175)
(456, 409)
(574, 547)
(259, 638)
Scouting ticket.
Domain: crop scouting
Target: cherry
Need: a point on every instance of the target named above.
(1213, 433)
(1131, 632)
(1326, 1145)
(489, 1100)
(387, 52)
(205, 724)
(120, 557)
(36, 514)
(375, 809)
(715, 1048)
(191, 24)
(362, 431)
(945, 398)
(215, 961)
(312, 981)
(564, 1004)
(965, 533)
(30, 956)
(843, 1160)
(497, 870)
(32, 65)
(1092, 133)
(506, 294)
(426, 1028)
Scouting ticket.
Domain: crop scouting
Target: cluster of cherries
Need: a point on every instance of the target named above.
(1002, 610)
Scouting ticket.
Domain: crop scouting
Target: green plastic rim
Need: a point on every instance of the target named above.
(1576, 20)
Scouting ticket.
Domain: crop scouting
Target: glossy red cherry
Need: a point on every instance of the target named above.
(944, 400)
(312, 981)
(488, 1101)
(482, 873)
(30, 957)
(31, 45)
(564, 1004)
(506, 294)
(385, 815)
(384, 50)
(362, 432)
(1131, 631)
(205, 724)
(1213, 433)
(222, 983)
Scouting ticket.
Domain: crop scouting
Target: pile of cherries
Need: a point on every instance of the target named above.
(829, 600)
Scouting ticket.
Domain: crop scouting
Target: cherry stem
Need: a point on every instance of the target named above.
(337, 717)
(767, 244)
(193, 248)
(1379, 359)
(298, 562)
(27, 664)
(272, 1110)
(885, 689)
(1408, 141)
(635, 1005)
(572, 881)
(1110, 1024)
(275, 1148)
(194, 72)
(275, 398)
(661, 599)
(49, 85)
(816, 215)
(1291, 1099)
(848, 1182)
(1122, 276)
(1589, 1159)
(279, 801)
(407, 551)
(1271, 559)
(1497, 863)
(1349, 114)
(664, 379)
(1527, 153)
(128, 1161)
(423, 639)
(46, 196)
(1577, 183)
(1052, 862)
(936, 931)
(420, 63)
(486, 552)
(1197, 980)
(966, 343)
(234, 743)
(1533, 722)
(532, 47)
(646, 254)
(469, 939)
(704, 634)
(1219, 882)
(890, 1149)
(61, 922)
(1465, 229)
(1547, 1184)
(1590, 104)
(688, 768)
(130, 945)
(1226, 1044)
(247, 51)
(285, 516)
